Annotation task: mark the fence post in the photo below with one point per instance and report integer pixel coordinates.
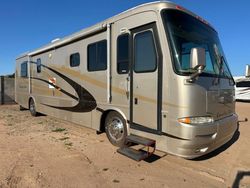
(2, 89)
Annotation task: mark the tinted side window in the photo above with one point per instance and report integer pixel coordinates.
(38, 66)
(24, 69)
(122, 54)
(75, 60)
(97, 56)
(243, 84)
(145, 52)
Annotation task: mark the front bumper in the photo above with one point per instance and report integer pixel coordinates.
(203, 139)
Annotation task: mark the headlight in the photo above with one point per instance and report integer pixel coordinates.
(196, 120)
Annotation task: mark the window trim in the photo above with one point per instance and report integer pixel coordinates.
(71, 55)
(104, 40)
(129, 45)
(155, 49)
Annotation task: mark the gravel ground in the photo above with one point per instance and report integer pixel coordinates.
(47, 152)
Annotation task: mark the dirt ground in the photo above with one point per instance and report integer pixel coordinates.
(47, 152)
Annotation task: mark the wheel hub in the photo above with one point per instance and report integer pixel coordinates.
(116, 129)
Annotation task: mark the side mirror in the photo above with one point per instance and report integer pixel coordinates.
(247, 71)
(198, 58)
(197, 62)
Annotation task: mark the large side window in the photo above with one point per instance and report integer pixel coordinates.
(97, 56)
(144, 52)
(75, 60)
(38, 65)
(24, 69)
(123, 54)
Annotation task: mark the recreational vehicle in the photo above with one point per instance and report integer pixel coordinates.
(154, 75)
(242, 86)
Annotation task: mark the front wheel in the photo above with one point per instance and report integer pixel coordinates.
(32, 108)
(116, 129)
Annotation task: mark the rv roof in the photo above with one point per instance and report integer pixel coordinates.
(241, 78)
(102, 25)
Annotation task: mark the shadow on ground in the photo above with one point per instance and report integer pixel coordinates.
(242, 101)
(154, 158)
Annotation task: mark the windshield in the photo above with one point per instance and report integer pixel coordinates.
(186, 32)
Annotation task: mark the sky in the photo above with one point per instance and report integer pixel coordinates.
(28, 24)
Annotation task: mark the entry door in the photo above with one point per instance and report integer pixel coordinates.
(145, 97)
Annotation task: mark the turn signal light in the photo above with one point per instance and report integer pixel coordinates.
(185, 120)
(196, 120)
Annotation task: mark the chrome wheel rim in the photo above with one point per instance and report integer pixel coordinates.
(116, 129)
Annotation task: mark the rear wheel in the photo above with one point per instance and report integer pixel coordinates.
(32, 108)
(116, 129)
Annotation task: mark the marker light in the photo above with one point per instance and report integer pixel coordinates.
(196, 120)
(179, 7)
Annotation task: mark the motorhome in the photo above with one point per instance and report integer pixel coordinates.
(242, 86)
(154, 75)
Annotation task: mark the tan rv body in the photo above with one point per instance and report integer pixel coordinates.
(150, 102)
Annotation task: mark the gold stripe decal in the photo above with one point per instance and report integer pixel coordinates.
(86, 102)
(95, 82)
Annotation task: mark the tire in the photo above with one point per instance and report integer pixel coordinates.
(116, 129)
(32, 108)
